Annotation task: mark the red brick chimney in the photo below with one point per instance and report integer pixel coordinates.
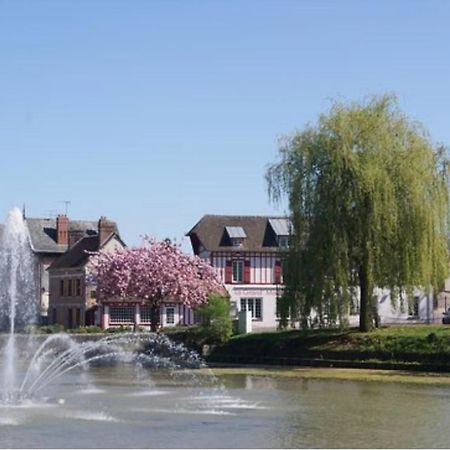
(105, 229)
(62, 230)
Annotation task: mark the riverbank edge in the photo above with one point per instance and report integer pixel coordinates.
(341, 374)
(327, 363)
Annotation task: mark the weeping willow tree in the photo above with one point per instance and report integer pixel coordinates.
(368, 198)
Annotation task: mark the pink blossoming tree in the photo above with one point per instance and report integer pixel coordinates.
(154, 273)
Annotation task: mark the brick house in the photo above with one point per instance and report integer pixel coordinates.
(246, 252)
(72, 300)
(50, 239)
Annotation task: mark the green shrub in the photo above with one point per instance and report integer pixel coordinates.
(216, 326)
(50, 329)
(120, 329)
(86, 330)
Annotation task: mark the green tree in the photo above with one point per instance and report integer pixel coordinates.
(368, 197)
(217, 326)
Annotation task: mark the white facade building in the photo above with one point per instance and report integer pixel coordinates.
(246, 252)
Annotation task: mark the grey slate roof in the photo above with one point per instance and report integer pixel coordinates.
(43, 233)
(210, 232)
(281, 227)
(236, 232)
(77, 255)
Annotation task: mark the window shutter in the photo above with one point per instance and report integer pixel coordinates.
(247, 272)
(277, 271)
(228, 271)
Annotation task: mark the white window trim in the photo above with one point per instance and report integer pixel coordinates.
(171, 324)
(254, 319)
(241, 271)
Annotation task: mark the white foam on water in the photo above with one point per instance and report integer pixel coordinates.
(92, 390)
(95, 416)
(225, 401)
(27, 404)
(7, 421)
(215, 412)
(148, 393)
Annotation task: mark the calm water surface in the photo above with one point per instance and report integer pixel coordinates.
(119, 408)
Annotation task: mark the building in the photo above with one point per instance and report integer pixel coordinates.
(246, 252)
(49, 240)
(72, 301)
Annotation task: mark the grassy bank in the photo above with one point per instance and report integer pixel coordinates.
(415, 346)
(335, 374)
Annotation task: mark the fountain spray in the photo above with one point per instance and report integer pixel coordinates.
(17, 289)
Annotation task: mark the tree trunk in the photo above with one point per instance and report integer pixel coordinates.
(366, 291)
(154, 318)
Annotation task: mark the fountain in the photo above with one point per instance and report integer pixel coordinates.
(94, 390)
(59, 354)
(17, 291)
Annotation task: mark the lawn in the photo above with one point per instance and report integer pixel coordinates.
(414, 343)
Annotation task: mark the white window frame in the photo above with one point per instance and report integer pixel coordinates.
(122, 314)
(250, 304)
(239, 272)
(145, 312)
(166, 316)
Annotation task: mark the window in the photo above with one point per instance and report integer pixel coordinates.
(236, 242)
(121, 314)
(238, 271)
(69, 318)
(283, 241)
(61, 288)
(414, 307)
(197, 317)
(78, 287)
(170, 316)
(146, 314)
(254, 305)
(354, 306)
(69, 288)
(78, 317)
(93, 293)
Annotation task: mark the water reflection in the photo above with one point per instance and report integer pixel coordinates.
(122, 408)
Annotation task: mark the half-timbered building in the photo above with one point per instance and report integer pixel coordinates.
(246, 252)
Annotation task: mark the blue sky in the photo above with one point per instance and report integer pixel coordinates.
(154, 113)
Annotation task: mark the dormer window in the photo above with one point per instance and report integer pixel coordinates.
(236, 235)
(282, 229)
(283, 241)
(236, 242)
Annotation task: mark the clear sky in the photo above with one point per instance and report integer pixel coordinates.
(154, 113)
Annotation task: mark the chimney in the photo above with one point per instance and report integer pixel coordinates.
(105, 229)
(62, 230)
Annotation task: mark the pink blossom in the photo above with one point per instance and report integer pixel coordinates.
(154, 272)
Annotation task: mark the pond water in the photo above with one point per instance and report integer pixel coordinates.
(119, 407)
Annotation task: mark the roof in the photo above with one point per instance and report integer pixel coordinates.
(236, 232)
(77, 255)
(210, 232)
(43, 233)
(281, 227)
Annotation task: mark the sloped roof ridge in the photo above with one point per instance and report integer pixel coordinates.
(74, 255)
(256, 216)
